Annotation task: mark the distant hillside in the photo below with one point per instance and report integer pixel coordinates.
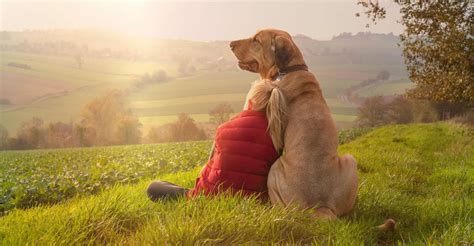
(346, 48)
(57, 72)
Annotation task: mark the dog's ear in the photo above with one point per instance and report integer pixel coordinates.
(283, 48)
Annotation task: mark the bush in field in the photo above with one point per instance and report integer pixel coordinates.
(400, 111)
(159, 134)
(5, 101)
(155, 77)
(108, 120)
(424, 111)
(59, 135)
(31, 134)
(128, 130)
(19, 65)
(3, 137)
(377, 111)
(467, 118)
(221, 113)
(372, 112)
(184, 129)
(348, 135)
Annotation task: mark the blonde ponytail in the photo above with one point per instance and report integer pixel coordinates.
(265, 95)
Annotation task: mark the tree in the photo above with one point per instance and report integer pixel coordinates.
(400, 111)
(423, 111)
(221, 113)
(184, 66)
(157, 77)
(128, 130)
(103, 118)
(160, 76)
(79, 60)
(3, 137)
(383, 75)
(160, 134)
(438, 48)
(58, 135)
(153, 135)
(80, 136)
(186, 129)
(183, 129)
(31, 134)
(372, 112)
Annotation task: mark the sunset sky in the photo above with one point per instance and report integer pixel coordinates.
(196, 20)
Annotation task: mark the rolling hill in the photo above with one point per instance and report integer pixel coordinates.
(54, 87)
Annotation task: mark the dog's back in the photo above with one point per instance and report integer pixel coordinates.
(309, 173)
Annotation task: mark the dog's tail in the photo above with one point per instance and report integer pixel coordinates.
(389, 225)
(266, 95)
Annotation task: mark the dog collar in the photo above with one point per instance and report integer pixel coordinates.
(291, 69)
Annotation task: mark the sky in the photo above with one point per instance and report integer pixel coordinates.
(196, 19)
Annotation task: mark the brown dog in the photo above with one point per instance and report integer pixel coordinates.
(310, 173)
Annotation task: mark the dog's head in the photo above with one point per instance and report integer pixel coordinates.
(267, 52)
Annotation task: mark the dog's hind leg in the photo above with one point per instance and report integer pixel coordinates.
(346, 189)
(324, 213)
(273, 185)
(278, 189)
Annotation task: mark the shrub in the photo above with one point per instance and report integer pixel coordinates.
(221, 113)
(19, 65)
(184, 129)
(348, 135)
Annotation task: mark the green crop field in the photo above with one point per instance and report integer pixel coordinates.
(29, 178)
(420, 175)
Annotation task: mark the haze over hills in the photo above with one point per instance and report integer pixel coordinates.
(53, 74)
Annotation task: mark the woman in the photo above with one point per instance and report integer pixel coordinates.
(243, 151)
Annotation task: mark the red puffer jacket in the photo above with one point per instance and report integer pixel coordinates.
(242, 158)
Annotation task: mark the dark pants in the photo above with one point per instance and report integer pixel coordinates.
(159, 190)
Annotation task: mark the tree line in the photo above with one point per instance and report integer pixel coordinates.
(106, 121)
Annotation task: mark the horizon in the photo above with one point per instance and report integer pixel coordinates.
(320, 20)
(180, 39)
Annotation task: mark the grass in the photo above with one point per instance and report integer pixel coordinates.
(95, 78)
(196, 95)
(420, 175)
(155, 103)
(385, 89)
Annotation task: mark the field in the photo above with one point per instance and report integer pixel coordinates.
(55, 88)
(36, 177)
(60, 89)
(385, 89)
(420, 175)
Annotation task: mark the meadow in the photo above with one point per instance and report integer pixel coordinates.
(394, 87)
(61, 88)
(421, 175)
(56, 89)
